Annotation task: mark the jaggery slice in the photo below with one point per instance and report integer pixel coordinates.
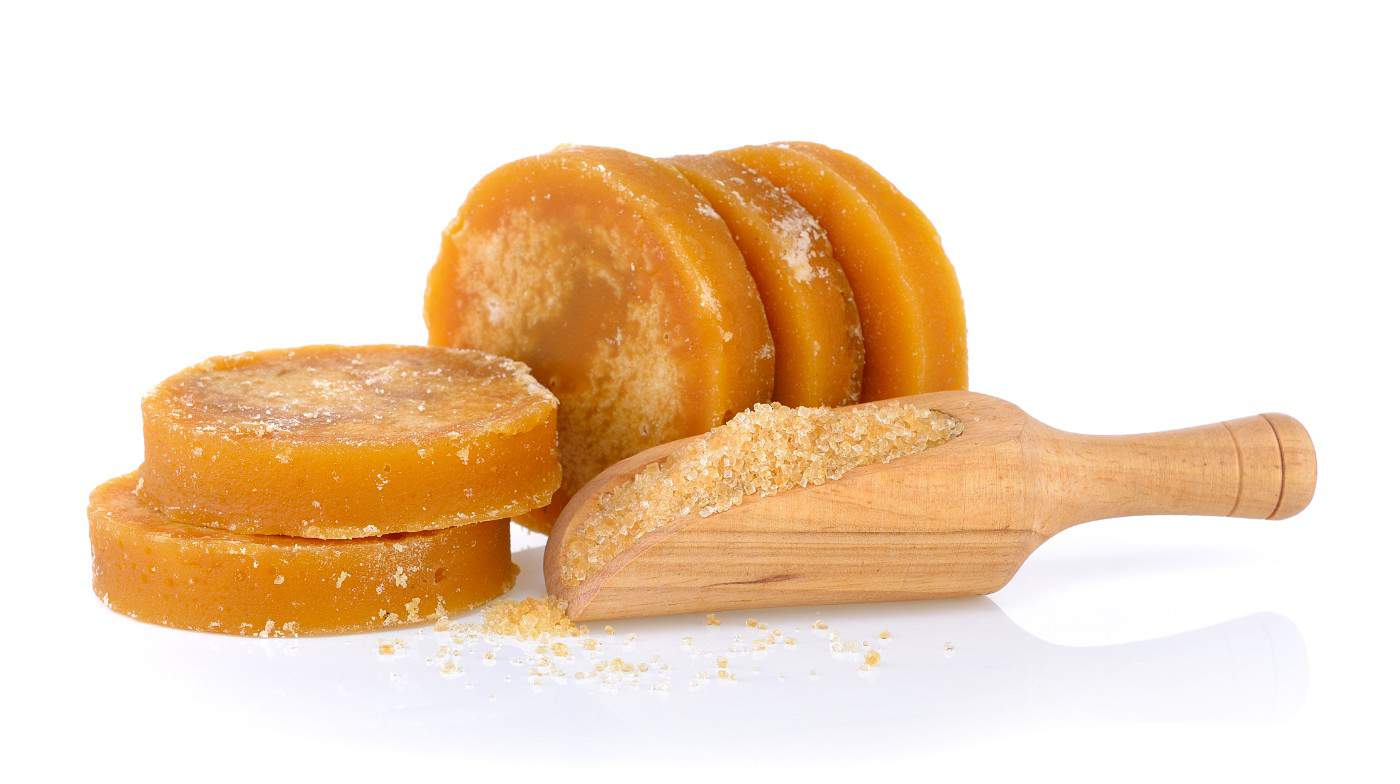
(614, 279)
(919, 243)
(910, 305)
(160, 571)
(335, 442)
(819, 354)
(764, 451)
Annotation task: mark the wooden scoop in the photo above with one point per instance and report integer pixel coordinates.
(955, 520)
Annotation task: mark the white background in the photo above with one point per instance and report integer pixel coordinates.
(1160, 217)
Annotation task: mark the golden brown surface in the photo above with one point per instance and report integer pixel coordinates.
(193, 577)
(337, 442)
(817, 342)
(910, 305)
(619, 285)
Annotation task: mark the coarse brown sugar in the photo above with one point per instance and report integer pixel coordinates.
(765, 450)
(529, 619)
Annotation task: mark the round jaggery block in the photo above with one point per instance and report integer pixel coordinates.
(911, 309)
(160, 571)
(614, 279)
(818, 351)
(336, 442)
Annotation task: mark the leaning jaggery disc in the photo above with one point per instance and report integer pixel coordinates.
(817, 342)
(334, 442)
(156, 570)
(910, 305)
(614, 279)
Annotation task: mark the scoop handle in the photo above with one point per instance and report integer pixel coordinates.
(1262, 466)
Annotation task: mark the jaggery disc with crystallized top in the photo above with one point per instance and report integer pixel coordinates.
(911, 309)
(817, 342)
(336, 442)
(160, 571)
(614, 279)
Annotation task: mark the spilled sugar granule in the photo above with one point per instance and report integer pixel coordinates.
(765, 450)
(523, 635)
(528, 619)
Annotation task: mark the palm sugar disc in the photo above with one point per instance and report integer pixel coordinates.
(819, 353)
(156, 570)
(341, 442)
(614, 279)
(911, 309)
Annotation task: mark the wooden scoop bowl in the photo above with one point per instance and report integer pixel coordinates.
(956, 520)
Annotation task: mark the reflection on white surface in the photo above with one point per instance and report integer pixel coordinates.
(951, 669)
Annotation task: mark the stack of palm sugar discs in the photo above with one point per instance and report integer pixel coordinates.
(325, 489)
(657, 298)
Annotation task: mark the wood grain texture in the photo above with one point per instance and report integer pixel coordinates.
(956, 520)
